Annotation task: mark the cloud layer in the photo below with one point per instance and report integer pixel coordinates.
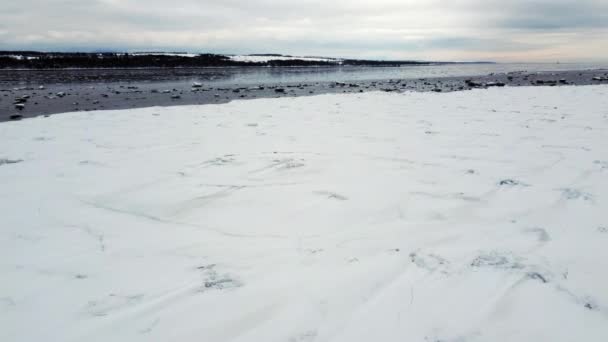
(515, 30)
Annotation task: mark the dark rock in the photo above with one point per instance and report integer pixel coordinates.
(474, 84)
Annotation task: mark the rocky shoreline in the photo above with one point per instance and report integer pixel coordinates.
(40, 99)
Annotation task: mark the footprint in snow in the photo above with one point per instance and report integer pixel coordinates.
(281, 165)
(111, 303)
(497, 260)
(332, 195)
(289, 164)
(603, 165)
(213, 280)
(9, 161)
(430, 262)
(314, 251)
(507, 261)
(42, 139)
(219, 161)
(574, 194)
(543, 235)
(511, 182)
(221, 284)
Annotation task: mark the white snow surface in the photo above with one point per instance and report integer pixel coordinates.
(263, 59)
(173, 54)
(20, 57)
(367, 217)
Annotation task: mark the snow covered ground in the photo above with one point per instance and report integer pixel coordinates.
(466, 216)
(173, 54)
(263, 59)
(20, 57)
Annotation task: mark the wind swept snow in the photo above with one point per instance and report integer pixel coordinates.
(466, 216)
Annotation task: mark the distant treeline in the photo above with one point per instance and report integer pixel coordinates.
(109, 60)
(62, 60)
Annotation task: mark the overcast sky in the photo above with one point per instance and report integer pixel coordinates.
(505, 30)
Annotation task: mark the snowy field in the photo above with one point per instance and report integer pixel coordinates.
(264, 59)
(467, 216)
(173, 54)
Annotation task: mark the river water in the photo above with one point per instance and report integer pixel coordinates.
(268, 75)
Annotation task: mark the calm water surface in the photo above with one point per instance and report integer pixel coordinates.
(265, 75)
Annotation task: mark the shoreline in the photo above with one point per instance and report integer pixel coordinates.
(31, 101)
(234, 67)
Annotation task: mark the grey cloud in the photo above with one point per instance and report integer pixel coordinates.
(391, 28)
(543, 15)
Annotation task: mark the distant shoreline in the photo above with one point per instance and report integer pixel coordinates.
(231, 67)
(238, 67)
(24, 60)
